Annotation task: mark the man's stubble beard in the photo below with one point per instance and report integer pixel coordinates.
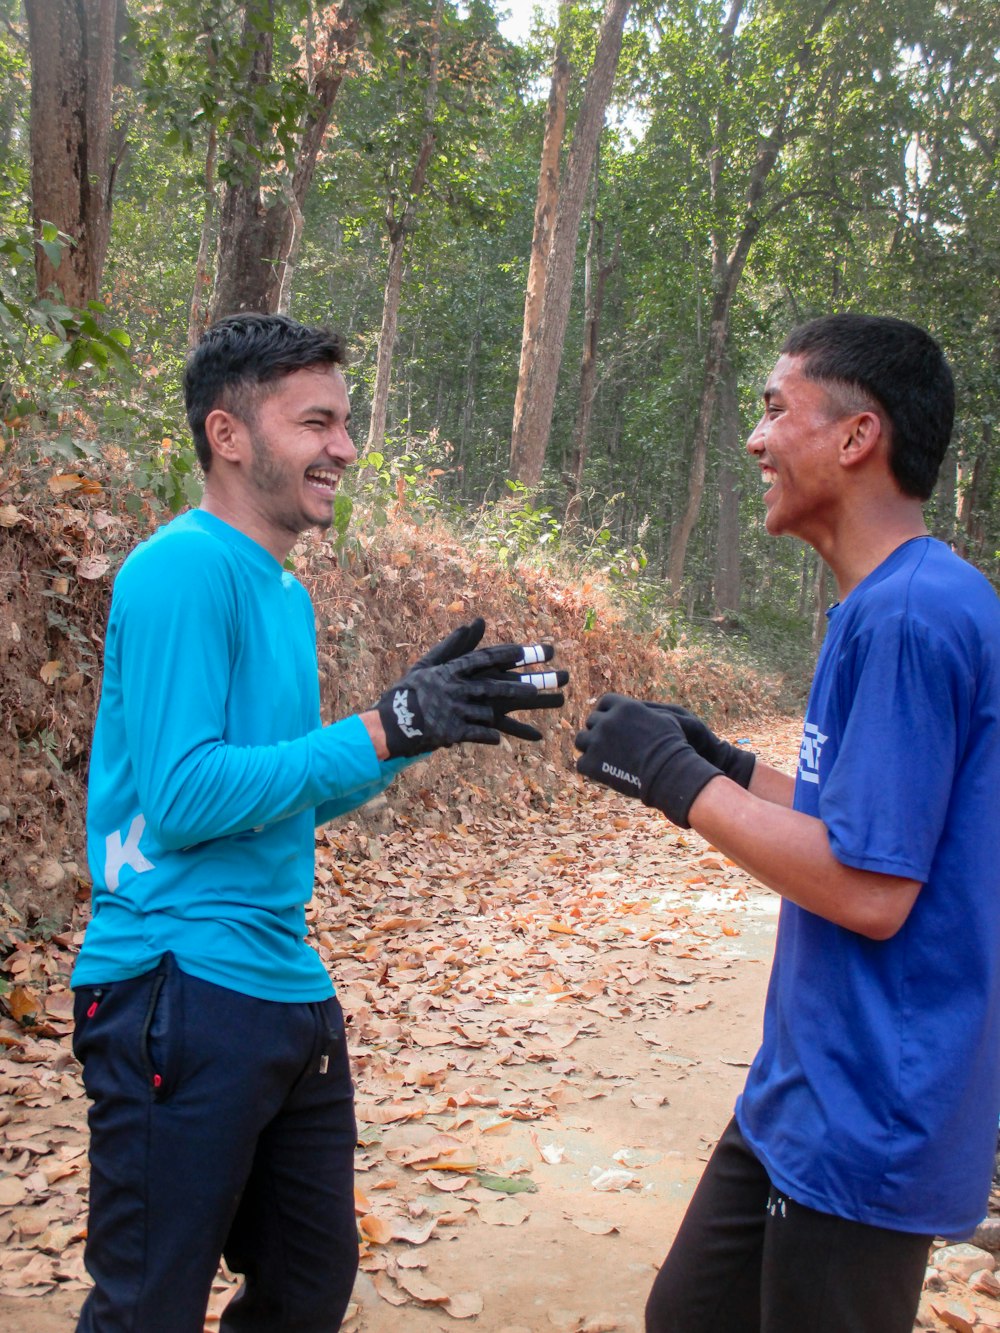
(268, 478)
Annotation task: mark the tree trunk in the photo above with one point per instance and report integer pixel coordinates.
(727, 273)
(398, 232)
(72, 50)
(596, 279)
(972, 533)
(386, 342)
(546, 204)
(727, 546)
(201, 292)
(530, 434)
(946, 498)
(259, 242)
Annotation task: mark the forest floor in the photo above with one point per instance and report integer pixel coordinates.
(551, 1013)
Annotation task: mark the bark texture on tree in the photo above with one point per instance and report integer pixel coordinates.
(258, 241)
(727, 584)
(399, 226)
(530, 434)
(72, 52)
(595, 281)
(546, 204)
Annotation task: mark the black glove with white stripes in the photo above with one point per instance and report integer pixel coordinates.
(466, 698)
(641, 751)
(729, 759)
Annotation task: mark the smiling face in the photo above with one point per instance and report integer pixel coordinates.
(296, 448)
(798, 446)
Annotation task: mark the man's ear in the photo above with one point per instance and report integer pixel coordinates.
(226, 434)
(867, 434)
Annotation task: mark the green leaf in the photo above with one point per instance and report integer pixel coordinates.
(506, 1184)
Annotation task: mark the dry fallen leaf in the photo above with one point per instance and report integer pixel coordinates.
(12, 1191)
(92, 566)
(23, 1003)
(464, 1305)
(420, 1287)
(376, 1230)
(594, 1226)
(65, 483)
(412, 1232)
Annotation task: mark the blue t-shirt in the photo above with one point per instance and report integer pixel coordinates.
(875, 1093)
(210, 769)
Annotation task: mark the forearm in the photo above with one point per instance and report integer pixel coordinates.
(789, 852)
(215, 790)
(390, 770)
(376, 732)
(770, 784)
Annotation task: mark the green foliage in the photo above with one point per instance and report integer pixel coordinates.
(884, 198)
(518, 526)
(56, 357)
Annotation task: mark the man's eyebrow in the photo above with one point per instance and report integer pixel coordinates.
(330, 413)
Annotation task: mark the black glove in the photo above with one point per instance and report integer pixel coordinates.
(465, 699)
(729, 759)
(642, 751)
(461, 641)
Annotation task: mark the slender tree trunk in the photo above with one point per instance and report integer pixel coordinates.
(260, 231)
(202, 289)
(72, 51)
(546, 204)
(595, 282)
(398, 232)
(946, 498)
(386, 341)
(972, 532)
(727, 545)
(727, 274)
(530, 435)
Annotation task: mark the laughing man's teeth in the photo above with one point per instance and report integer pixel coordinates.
(325, 476)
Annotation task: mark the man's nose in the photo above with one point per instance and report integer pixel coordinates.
(342, 447)
(755, 442)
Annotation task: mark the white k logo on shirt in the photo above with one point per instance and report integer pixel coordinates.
(119, 854)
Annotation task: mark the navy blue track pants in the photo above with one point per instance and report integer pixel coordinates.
(747, 1259)
(220, 1125)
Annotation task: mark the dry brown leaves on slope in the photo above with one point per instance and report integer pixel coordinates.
(475, 965)
(469, 963)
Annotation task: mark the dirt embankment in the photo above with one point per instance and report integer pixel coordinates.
(62, 540)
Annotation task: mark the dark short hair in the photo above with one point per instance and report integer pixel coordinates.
(239, 355)
(902, 369)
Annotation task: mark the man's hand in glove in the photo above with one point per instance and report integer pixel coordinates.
(642, 751)
(459, 642)
(467, 637)
(467, 698)
(729, 759)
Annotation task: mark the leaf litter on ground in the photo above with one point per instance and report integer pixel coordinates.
(473, 964)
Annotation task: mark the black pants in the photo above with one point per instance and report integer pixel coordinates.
(220, 1125)
(749, 1260)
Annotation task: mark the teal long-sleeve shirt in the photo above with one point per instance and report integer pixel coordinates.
(210, 769)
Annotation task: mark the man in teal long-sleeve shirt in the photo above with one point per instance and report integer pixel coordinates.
(212, 1043)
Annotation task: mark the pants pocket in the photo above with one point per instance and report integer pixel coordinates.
(161, 1036)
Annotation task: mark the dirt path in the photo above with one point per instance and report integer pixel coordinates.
(534, 1001)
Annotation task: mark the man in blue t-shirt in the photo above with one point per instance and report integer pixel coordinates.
(212, 1045)
(868, 1121)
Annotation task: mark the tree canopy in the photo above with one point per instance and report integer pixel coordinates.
(375, 166)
